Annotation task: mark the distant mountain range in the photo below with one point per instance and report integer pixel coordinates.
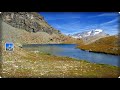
(90, 36)
(89, 33)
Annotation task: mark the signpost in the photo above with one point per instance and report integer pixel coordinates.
(9, 46)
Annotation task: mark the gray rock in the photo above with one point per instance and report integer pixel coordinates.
(29, 21)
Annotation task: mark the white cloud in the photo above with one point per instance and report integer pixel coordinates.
(70, 26)
(105, 14)
(110, 22)
(51, 18)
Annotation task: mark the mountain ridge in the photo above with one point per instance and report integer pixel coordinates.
(88, 33)
(90, 36)
(29, 21)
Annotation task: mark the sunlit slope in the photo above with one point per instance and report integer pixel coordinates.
(11, 34)
(22, 63)
(106, 45)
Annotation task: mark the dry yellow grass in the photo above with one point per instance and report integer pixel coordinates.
(106, 45)
(24, 64)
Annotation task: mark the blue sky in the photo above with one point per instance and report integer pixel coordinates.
(74, 22)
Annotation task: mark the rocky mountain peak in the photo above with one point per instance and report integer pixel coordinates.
(29, 21)
(89, 33)
(91, 36)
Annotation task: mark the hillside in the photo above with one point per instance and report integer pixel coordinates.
(105, 45)
(29, 28)
(12, 34)
(29, 21)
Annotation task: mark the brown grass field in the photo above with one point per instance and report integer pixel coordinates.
(107, 45)
(25, 64)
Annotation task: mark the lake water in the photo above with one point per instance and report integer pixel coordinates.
(70, 50)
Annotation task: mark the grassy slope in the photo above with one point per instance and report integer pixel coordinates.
(12, 34)
(21, 63)
(105, 45)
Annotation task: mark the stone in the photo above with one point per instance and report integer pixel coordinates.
(29, 21)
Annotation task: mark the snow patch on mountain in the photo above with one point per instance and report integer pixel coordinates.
(97, 31)
(88, 33)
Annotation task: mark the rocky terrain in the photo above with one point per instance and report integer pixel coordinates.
(29, 21)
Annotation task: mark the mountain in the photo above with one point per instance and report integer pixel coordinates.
(29, 21)
(88, 33)
(90, 36)
(29, 28)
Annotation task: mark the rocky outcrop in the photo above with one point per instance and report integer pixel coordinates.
(29, 21)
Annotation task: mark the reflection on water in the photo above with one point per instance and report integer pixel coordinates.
(70, 51)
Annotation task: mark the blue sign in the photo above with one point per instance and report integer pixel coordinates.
(9, 46)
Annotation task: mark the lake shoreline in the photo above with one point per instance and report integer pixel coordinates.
(75, 47)
(99, 52)
(71, 50)
(24, 63)
(76, 59)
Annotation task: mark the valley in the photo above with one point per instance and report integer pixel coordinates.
(31, 28)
